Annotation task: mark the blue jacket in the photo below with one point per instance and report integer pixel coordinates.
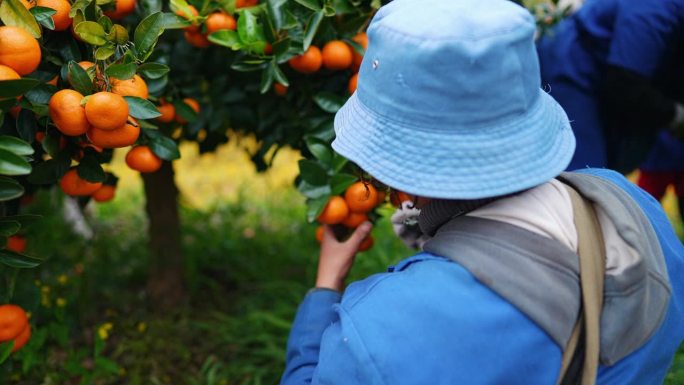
(429, 321)
(634, 35)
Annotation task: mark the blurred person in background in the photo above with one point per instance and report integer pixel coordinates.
(617, 68)
(449, 109)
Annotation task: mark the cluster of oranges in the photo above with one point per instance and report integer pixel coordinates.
(14, 326)
(352, 209)
(336, 55)
(196, 35)
(168, 111)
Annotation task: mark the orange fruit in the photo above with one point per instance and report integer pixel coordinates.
(337, 55)
(61, 18)
(40, 135)
(53, 81)
(361, 197)
(16, 243)
(309, 62)
(141, 158)
(7, 73)
(319, 234)
(22, 338)
(196, 39)
(398, 197)
(134, 86)
(106, 110)
(19, 50)
(194, 13)
(279, 89)
(352, 83)
(67, 114)
(268, 49)
(362, 40)
(167, 111)
(104, 194)
(382, 195)
(123, 9)
(334, 212)
(353, 220)
(218, 21)
(367, 243)
(245, 3)
(193, 104)
(74, 185)
(13, 321)
(123, 136)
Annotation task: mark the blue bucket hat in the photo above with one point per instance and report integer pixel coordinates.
(449, 102)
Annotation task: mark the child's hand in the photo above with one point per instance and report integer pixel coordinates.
(337, 257)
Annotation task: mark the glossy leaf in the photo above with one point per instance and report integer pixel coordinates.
(6, 350)
(90, 169)
(118, 34)
(121, 71)
(185, 111)
(15, 145)
(312, 28)
(320, 149)
(13, 12)
(171, 21)
(8, 227)
(79, 79)
(340, 182)
(313, 5)
(91, 32)
(147, 33)
(312, 172)
(165, 147)
(329, 102)
(43, 16)
(27, 126)
(10, 189)
(141, 108)
(16, 260)
(314, 207)
(11, 164)
(105, 52)
(226, 38)
(153, 70)
(16, 87)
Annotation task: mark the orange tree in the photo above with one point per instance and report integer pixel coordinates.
(79, 79)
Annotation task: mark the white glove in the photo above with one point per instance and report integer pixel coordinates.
(405, 225)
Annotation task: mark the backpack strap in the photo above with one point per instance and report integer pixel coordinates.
(581, 355)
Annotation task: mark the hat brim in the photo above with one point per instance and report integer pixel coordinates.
(461, 163)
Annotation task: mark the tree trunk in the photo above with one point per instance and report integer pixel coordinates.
(166, 282)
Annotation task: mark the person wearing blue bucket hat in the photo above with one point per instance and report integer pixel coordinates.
(449, 108)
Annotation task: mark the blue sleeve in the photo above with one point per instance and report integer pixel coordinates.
(644, 33)
(315, 314)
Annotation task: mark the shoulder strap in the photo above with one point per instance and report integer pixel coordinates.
(581, 356)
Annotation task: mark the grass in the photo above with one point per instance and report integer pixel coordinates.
(250, 259)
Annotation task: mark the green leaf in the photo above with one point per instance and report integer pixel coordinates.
(249, 29)
(27, 126)
(313, 192)
(9, 228)
(314, 207)
(274, 8)
(173, 21)
(79, 5)
(165, 147)
(10, 189)
(329, 102)
(11, 164)
(43, 16)
(226, 38)
(266, 79)
(15, 145)
(313, 5)
(313, 172)
(16, 87)
(91, 32)
(16, 260)
(141, 108)
(90, 169)
(121, 71)
(6, 350)
(105, 52)
(13, 12)
(279, 75)
(338, 162)
(79, 79)
(320, 149)
(24, 219)
(50, 171)
(185, 111)
(147, 33)
(340, 182)
(153, 70)
(118, 34)
(312, 28)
